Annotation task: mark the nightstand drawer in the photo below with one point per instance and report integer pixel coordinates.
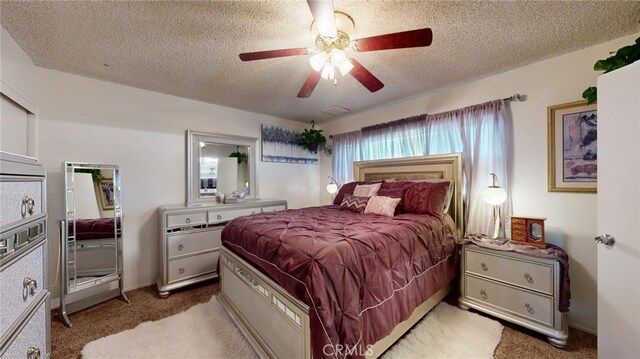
(194, 242)
(530, 305)
(529, 275)
(273, 208)
(189, 219)
(225, 216)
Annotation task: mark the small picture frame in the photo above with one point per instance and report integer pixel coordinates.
(572, 147)
(105, 189)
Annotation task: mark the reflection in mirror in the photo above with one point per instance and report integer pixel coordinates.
(535, 231)
(220, 165)
(92, 229)
(223, 168)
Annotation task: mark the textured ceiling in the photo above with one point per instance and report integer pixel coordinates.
(190, 49)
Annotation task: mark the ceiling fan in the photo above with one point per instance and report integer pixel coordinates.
(332, 30)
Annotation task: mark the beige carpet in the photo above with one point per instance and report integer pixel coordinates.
(115, 316)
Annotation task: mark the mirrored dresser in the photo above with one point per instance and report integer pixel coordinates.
(190, 239)
(25, 321)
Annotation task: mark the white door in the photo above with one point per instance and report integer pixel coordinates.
(619, 213)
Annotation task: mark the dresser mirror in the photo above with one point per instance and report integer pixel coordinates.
(91, 234)
(219, 165)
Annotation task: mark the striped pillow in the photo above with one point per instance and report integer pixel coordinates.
(384, 206)
(354, 203)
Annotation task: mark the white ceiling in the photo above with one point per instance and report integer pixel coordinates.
(190, 49)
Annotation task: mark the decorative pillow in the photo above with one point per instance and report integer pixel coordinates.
(384, 206)
(346, 188)
(393, 193)
(366, 190)
(387, 184)
(426, 197)
(354, 203)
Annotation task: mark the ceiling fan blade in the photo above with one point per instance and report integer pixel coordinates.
(261, 55)
(309, 84)
(322, 11)
(365, 77)
(397, 40)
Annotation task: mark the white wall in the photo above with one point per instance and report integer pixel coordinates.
(571, 218)
(86, 120)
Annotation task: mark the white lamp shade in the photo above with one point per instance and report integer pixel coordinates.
(332, 188)
(318, 60)
(345, 66)
(494, 195)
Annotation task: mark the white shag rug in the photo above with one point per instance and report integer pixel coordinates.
(206, 331)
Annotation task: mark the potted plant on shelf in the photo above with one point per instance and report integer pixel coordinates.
(312, 139)
(623, 57)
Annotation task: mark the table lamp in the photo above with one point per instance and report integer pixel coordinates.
(495, 196)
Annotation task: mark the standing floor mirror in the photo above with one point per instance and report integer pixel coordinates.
(91, 237)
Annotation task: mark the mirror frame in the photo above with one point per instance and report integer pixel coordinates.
(193, 162)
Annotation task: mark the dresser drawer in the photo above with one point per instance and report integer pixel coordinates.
(187, 219)
(192, 266)
(32, 337)
(274, 208)
(226, 216)
(181, 244)
(529, 275)
(20, 200)
(16, 283)
(527, 304)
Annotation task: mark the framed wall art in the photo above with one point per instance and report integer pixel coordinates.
(572, 146)
(105, 188)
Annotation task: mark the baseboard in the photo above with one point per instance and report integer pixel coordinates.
(584, 329)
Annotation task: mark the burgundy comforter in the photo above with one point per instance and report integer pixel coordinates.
(360, 274)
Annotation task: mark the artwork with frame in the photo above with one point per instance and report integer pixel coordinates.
(105, 190)
(572, 147)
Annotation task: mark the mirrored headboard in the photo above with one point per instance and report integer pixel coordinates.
(219, 163)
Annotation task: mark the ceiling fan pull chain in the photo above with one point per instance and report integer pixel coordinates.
(313, 123)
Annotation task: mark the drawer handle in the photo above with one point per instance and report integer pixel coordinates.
(28, 205)
(219, 217)
(188, 220)
(180, 247)
(529, 308)
(33, 353)
(29, 288)
(253, 212)
(528, 278)
(181, 270)
(483, 293)
(484, 266)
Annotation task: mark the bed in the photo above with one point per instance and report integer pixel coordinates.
(321, 282)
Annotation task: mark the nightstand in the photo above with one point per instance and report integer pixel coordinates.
(516, 287)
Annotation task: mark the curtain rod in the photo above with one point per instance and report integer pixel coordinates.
(515, 97)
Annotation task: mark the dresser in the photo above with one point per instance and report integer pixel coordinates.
(190, 239)
(516, 287)
(25, 321)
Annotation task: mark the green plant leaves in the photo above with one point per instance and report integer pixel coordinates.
(590, 94)
(312, 139)
(623, 57)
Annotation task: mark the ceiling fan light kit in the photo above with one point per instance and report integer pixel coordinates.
(332, 31)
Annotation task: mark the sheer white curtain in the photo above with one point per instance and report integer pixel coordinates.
(402, 138)
(479, 132)
(347, 148)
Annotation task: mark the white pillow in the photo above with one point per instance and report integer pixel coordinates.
(366, 190)
(384, 206)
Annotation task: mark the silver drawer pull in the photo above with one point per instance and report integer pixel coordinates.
(181, 270)
(528, 278)
(33, 353)
(29, 288)
(484, 266)
(180, 247)
(28, 205)
(188, 220)
(529, 308)
(219, 217)
(253, 212)
(483, 293)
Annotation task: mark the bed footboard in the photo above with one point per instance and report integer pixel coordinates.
(275, 324)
